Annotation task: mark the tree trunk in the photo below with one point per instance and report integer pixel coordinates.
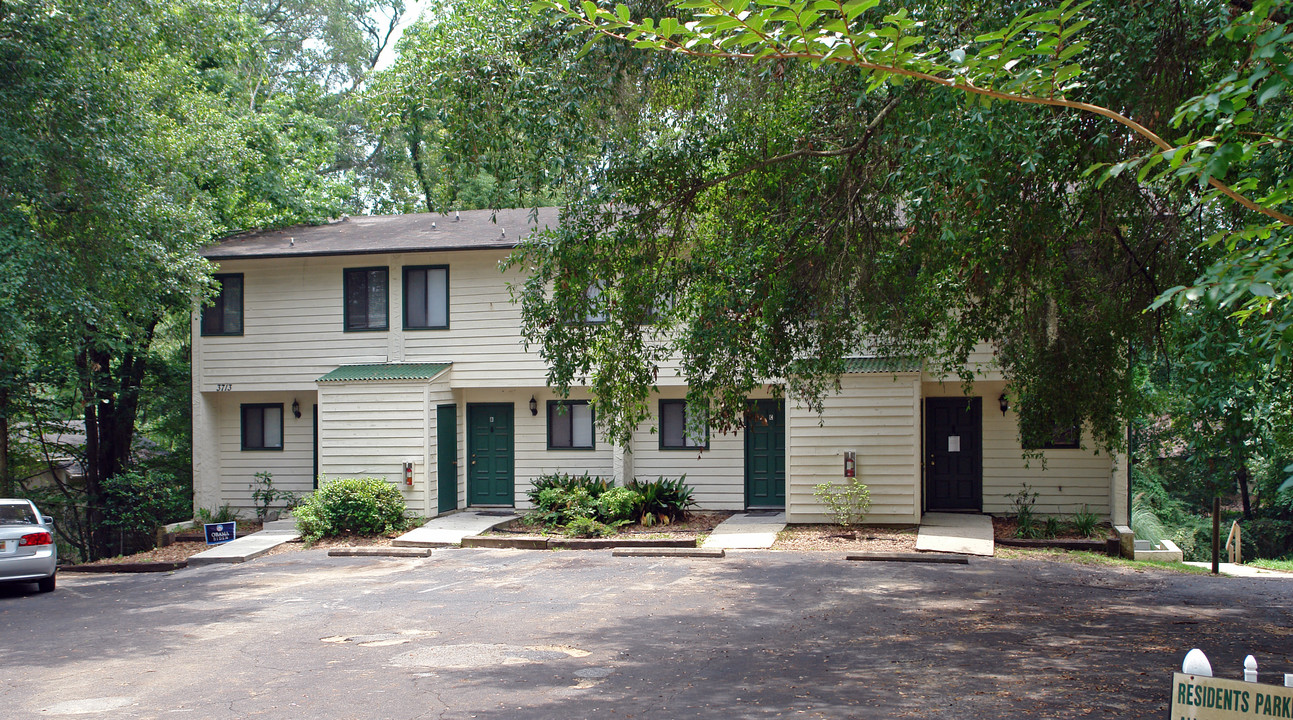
(6, 482)
(1242, 477)
(112, 404)
(414, 138)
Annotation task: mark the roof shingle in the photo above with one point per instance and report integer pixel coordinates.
(365, 234)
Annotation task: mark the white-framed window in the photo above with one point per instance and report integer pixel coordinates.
(426, 297)
(677, 429)
(570, 425)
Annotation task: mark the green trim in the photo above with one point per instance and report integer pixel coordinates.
(882, 365)
(385, 371)
(218, 305)
(345, 298)
(684, 446)
(242, 426)
(404, 294)
(569, 418)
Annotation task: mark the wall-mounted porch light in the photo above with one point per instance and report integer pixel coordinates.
(296, 409)
(1004, 403)
(534, 406)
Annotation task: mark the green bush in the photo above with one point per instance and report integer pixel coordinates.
(364, 506)
(555, 506)
(618, 505)
(663, 501)
(593, 485)
(849, 502)
(138, 502)
(1085, 522)
(587, 527)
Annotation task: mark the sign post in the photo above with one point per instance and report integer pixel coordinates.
(218, 533)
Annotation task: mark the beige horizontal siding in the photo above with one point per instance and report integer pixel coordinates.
(716, 475)
(531, 453)
(1064, 480)
(369, 429)
(876, 417)
(293, 325)
(292, 467)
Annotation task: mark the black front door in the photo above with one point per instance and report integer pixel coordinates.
(489, 450)
(954, 453)
(765, 454)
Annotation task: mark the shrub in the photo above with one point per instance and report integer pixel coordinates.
(223, 515)
(618, 505)
(365, 506)
(587, 527)
(1051, 527)
(593, 485)
(1025, 521)
(264, 495)
(848, 502)
(560, 505)
(663, 501)
(1085, 522)
(138, 502)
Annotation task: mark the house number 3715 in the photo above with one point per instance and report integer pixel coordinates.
(224, 387)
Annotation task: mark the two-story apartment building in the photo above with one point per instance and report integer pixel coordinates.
(390, 346)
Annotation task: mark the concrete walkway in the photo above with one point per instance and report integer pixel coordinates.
(249, 546)
(956, 533)
(448, 530)
(746, 531)
(1247, 571)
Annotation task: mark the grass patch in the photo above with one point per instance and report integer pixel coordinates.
(1265, 563)
(1082, 557)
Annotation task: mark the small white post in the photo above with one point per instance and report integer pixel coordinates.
(1250, 669)
(1196, 663)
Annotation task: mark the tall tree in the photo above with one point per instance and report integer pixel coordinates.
(129, 139)
(801, 212)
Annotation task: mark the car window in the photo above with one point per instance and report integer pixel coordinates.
(17, 515)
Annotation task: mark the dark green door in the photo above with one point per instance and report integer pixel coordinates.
(954, 453)
(765, 454)
(446, 423)
(489, 451)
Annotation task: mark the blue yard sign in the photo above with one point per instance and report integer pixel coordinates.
(220, 532)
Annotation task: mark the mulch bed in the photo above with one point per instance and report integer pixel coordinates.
(1004, 530)
(861, 539)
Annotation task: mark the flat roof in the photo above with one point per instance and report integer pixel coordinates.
(367, 234)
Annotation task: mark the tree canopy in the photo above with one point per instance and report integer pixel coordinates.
(827, 179)
(132, 133)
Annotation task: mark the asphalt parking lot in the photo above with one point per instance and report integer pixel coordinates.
(582, 634)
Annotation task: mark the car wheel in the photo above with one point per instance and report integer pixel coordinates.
(46, 584)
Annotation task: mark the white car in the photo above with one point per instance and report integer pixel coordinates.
(27, 549)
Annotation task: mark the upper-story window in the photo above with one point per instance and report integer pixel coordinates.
(570, 424)
(366, 299)
(426, 297)
(224, 316)
(678, 431)
(595, 315)
(262, 426)
(1061, 437)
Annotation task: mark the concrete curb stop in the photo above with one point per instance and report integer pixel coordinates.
(669, 552)
(911, 558)
(398, 552)
(152, 567)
